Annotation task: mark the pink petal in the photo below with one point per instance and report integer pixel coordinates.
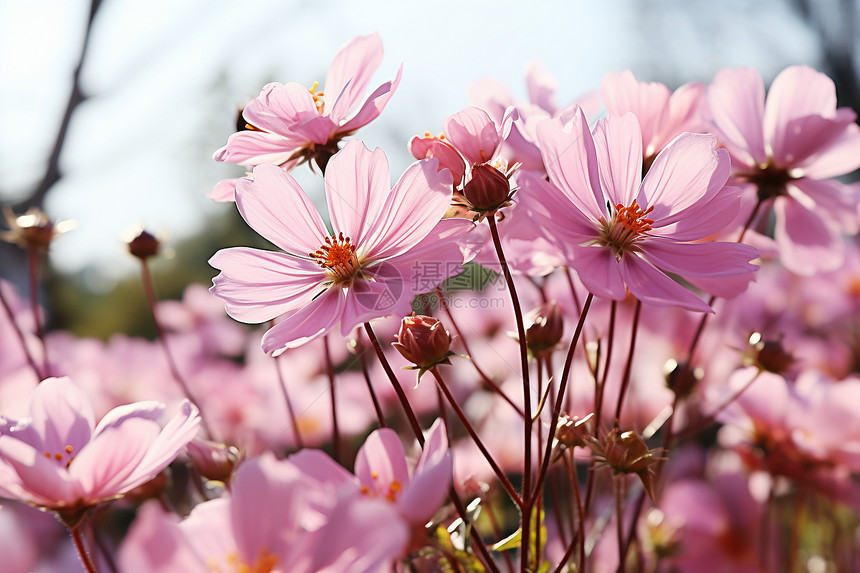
(688, 170)
(317, 465)
(267, 505)
(413, 208)
(224, 190)
(366, 536)
(618, 141)
(797, 92)
(373, 106)
(834, 200)
(653, 287)
(103, 466)
(306, 324)
(703, 218)
(571, 162)
(449, 158)
(700, 259)
(179, 430)
(319, 129)
(541, 86)
(260, 285)
(61, 414)
(431, 479)
(357, 184)
(208, 531)
(156, 544)
(806, 243)
(736, 100)
(350, 72)
(381, 462)
(599, 272)
(805, 139)
(841, 155)
(277, 208)
(148, 410)
(384, 292)
(258, 148)
(648, 100)
(560, 221)
(684, 114)
(474, 134)
(279, 107)
(41, 481)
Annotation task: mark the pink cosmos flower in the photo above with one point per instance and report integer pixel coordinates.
(785, 151)
(380, 253)
(58, 459)
(381, 472)
(288, 124)
(618, 230)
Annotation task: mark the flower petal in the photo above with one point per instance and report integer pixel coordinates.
(806, 243)
(279, 107)
(381, 462)
(736, 100)
(260, 285)
(431, 479)
(571, 162)
(350, 72)
(373, 106)
(623, 93)
(62, 415)
(700, 259)
(618, 141)
(179, 430)
(797, 92)
(40, 481)
(306, 324)
(275, 206)
(474, 134)
(598, 270)
(687, 171)
(651, 286)
(357, 185)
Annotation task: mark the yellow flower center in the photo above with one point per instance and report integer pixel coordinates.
(319, 102)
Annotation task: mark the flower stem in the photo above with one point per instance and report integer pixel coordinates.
(20, 336)
(625, 380)
(84, 555)
(33, 268)
(474, 435)
(401, 395)
(377, 408)
(151, 300)
(527, 402)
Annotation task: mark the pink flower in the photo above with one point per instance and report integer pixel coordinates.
(288, 124)
(618, 230)
(385, 247)
(381, 472)
(57, 460)
(785, 151)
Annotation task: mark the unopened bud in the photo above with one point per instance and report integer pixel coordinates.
(626, 452)
(144, 245)
(32, 230)
(769, 355)
(680, 378)
(214, 461)
(573, 431)
(547, 327)
(423, 341)
(487, 189)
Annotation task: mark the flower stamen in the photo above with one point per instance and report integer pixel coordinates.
(625, 228)
(337, 256)
(319, 102)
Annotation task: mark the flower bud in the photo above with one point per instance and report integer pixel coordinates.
(487, 189)
(144, 245)
(627, 452)
(547, 327)
(680, 378)
(33, 229)
(214, 461)
(573, 431)
(423, 341)
(769, 355)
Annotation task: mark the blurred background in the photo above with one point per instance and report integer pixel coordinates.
(111, 109)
